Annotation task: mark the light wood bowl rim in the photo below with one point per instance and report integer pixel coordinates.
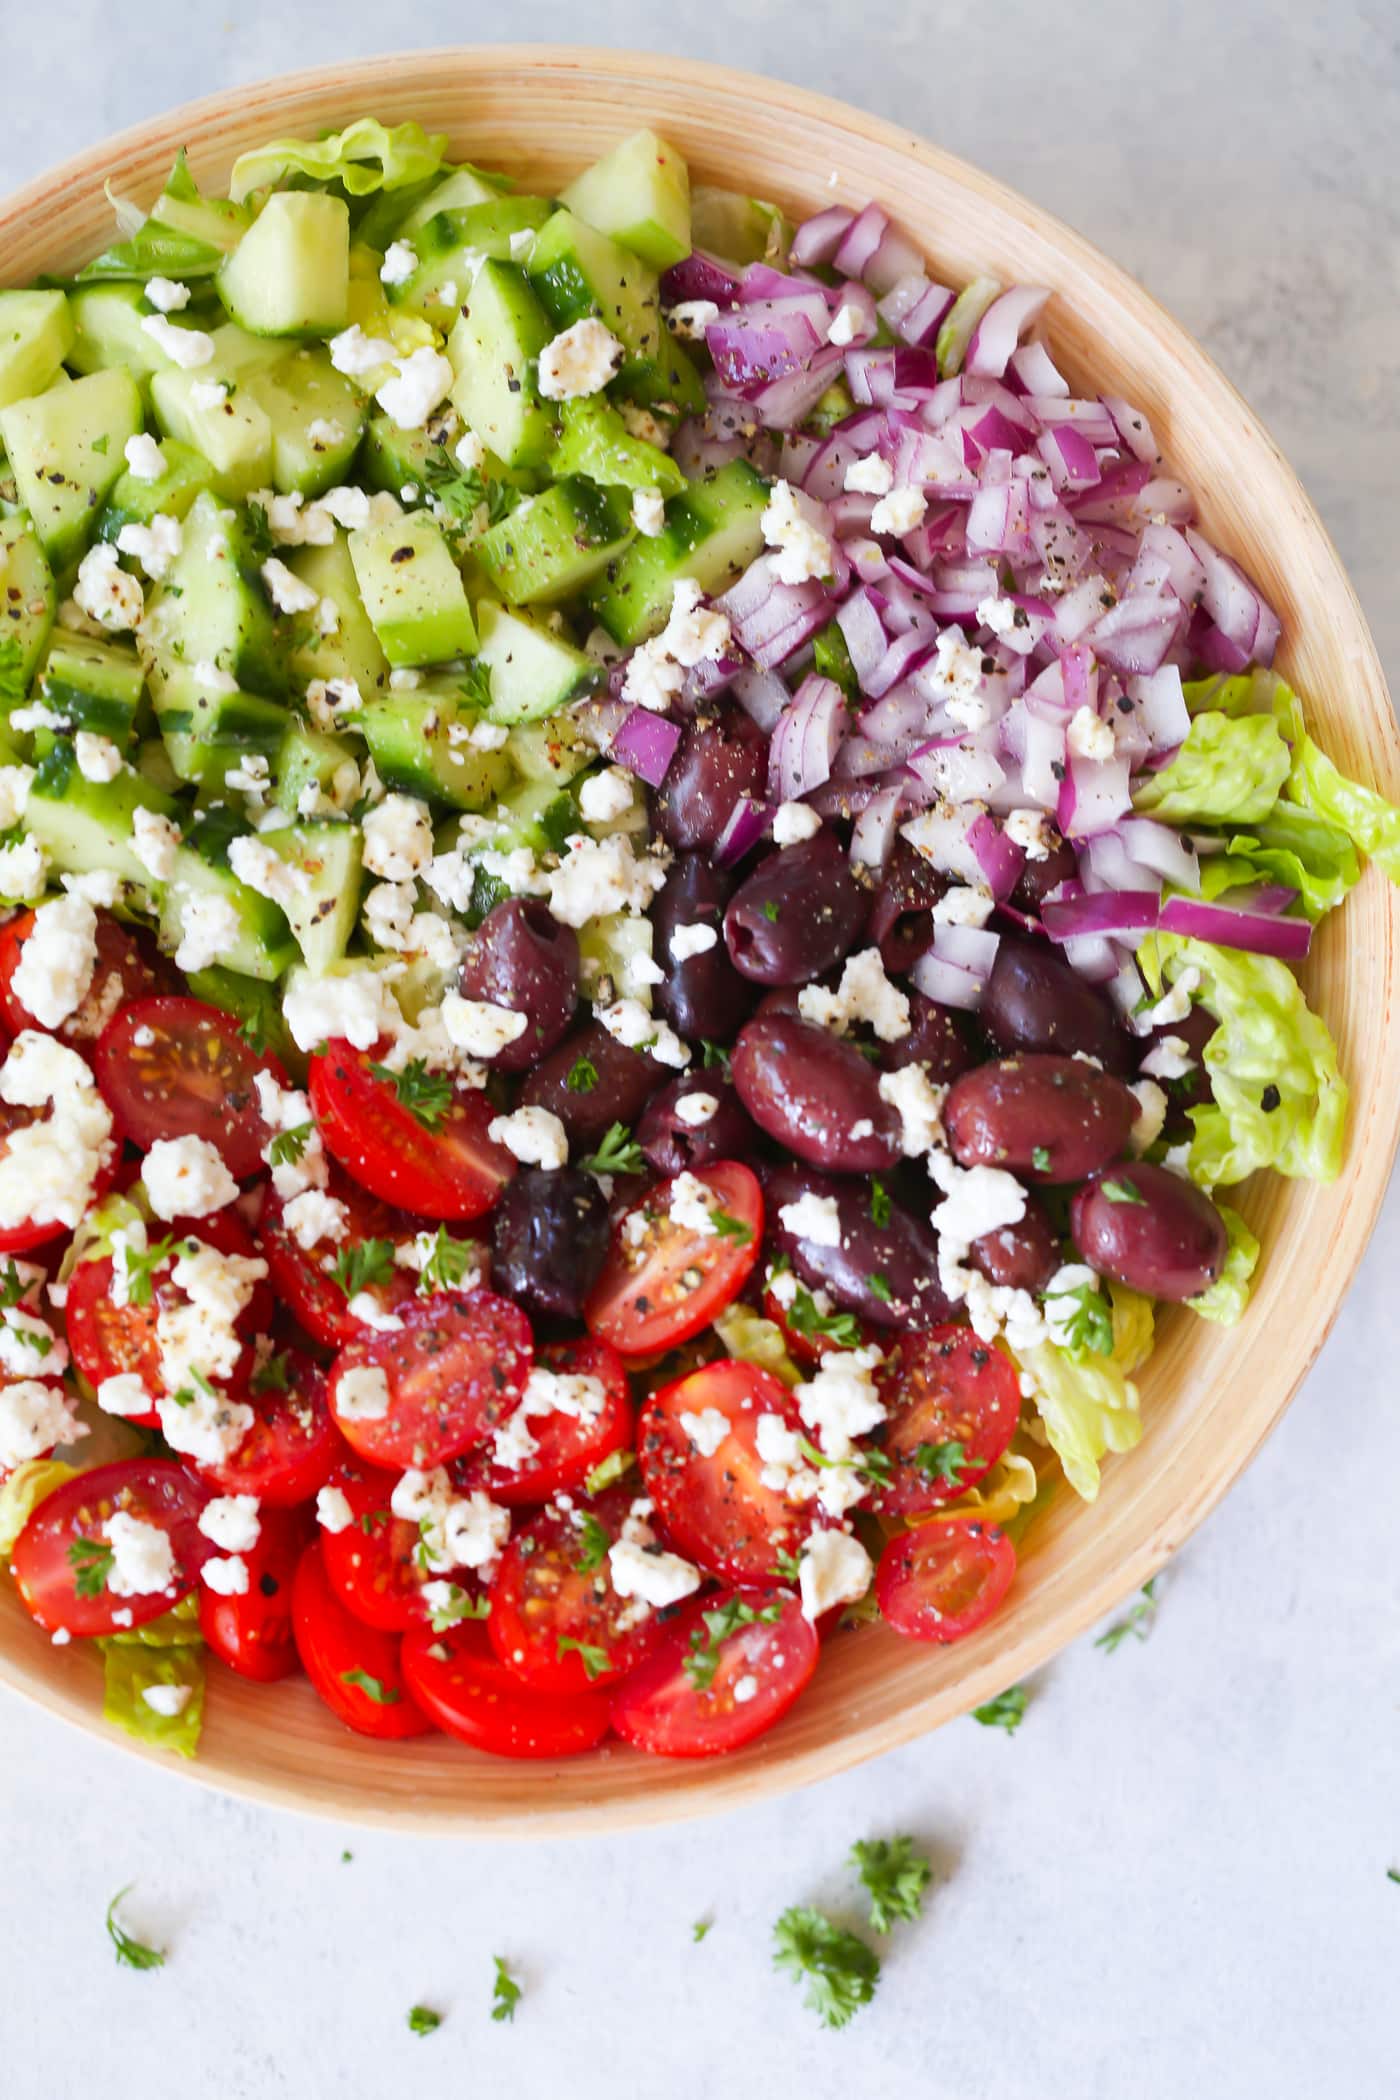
(436, 1785)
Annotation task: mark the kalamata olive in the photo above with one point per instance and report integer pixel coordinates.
(673, 1142)
(815, 1094)
(1038, 877)
(899, 922)
(521, 957)
(1020, 1257)
(887, 1273)
(1046, 1118)
(701, 995)
(1035, 1001)
(551, 1240)
(721, 755)
(797, 914)
(937, 1039)
(1149, 1228)
(591, 1081)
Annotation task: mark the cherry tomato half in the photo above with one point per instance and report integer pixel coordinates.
(454, 1370)
(715, 1506)
(456, 1677)
(758, 1671)
(127, 967)
(434, 1159)
(664, 1279)
(952, 1404)
(58, 1558)
(373, 1565)
(310, 1292)
(944, 1579)
(567, 1447)
(293, 1446)
(178, 1068)
(355, 1668)
(252, 1632)
(556, 1619)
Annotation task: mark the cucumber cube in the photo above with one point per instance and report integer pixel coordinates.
(553, 545)
(36, 334)
(640, 194)
(66, 450)
(494, 350)
(27, 595)
(412, 591)
(533, 672)
(290, 273)
(421, 745)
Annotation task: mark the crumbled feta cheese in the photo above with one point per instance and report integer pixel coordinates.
(398, 838)
(400, 262)
(479, 1027)
(144, 457)
(648, 512)
(185, 1177)
(366, 1308)
(333, 1511)
(485, 736)
(362, 1394)
(124, 1394)
(693, 634)
(815, 1219)
(864, 994)
(356, 1005)
(846, 324)
(687, 941)
(265, 871)
(1151, 1115)
(646, 1572)
(98, 757)
(599, 876)
(48, 1167)
(956, 676)
(186, 347)
(209, 928)
(286, 590)
(1032, 831)
(167, 295)
(692, 1206)
(976, 1200)
(105, 592)
(695, 1110)
(535, 1136)
(421, 381)
(469, 452)
(840, 1401)
(33, 1418)
(154, 546)
(167, 1700)
(1174, 1004)
(834, 1569)
(387, 913)
(1089, 736)
(641, 423)
(455, 1531)
(24, 868)
(782, 1463)
(321, 431)
(1169, 1059)
(802, 549)
(143, 1560)
(919, 1106)
(546, 1393)
(963, 906)
(604, 796)
(208, 394)
(628, 1021)
(231, 1522)
(871, 476)
(581, 360)
(793, 822)
(901, 511)
(706, 1430)
(998, 615)
(354, 353)
(689, 318)
(212, 678)
(15, 783)
(312, 1217)
(226, 1576)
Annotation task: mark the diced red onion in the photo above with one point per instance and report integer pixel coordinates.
(946, 984)
(762, 695)
(1090, 418)
(1107, 912)
(873, 835)
(1164, 851)
(1000, 860)
(1233, 603)
(903, 655)
(1070, 457)
(699, 276)
(1260, 933)
(805, 742)
(958, 771)
(859, 242)
(1133, 428)
(1162, 707)
(915, 309)
(1093, 796)
(753, 346)
(788, 401)
(894, 258)
(864, 633)
(970, 948)
(1001, 327)
(1135, 635)
(646, 743)
(818, 238)
(1034, 372)
(743, 828)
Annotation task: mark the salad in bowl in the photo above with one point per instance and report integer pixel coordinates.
(651, 877)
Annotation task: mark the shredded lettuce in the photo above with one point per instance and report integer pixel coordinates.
(1229, 1294)
(1000, 1495)
(364, 157)
(1229, 770)
(1293, 847)
(176, 1628)
(1086, 1409)
(22, 1491)
(1134, 1328)
(1280, 1100)
(186, 236)
(130, 1670)
(755, 1340)
(1372, 823)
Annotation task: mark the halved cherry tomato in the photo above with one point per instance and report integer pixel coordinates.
(177, 1068)
(107, 1338)
(293, 1446)
(310, 1292)
(58, 1557)
(567, 1447)
(759, 1671)
(663, 1281)
(19, 1239)
(944, 1579)
(127, 967)
(356, 1669)
(456, 1677)
(438, 1163)
(373, 1565)
(455, 1369)
(945, 1388)
(252, 1632)
(556, 1619)
(716, 1509)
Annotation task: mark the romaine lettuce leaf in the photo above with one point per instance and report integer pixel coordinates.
(1290, 846)
(1280, 1100)
(365, 156)
(1368, 819)
(175, 240)
(756, 1340)
(1086, 1409)
(1134, 1328)
(176, 1628)
(1229, 770)
(22, 1491)
(1229, 1294)
(130, 1670)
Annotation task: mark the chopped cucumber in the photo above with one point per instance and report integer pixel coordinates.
(412, 591)
(66, 450)
(350, 648)
(263, 945)
(322, 914)
(290, 273)
(533, 672)
(494, 350)
(315, 417)
(86, 826)
(213, 408)
(712, 533)
(421, 744)
(94, 685)
(595, 442)
(27, 601)
(458, 192)
(212, 610)
(135, 502)
(552, 750)
(107, 331)
(577, 271)
(553, 545)
(640, 194)
(452, 246)
(36, 334)
(315, 761)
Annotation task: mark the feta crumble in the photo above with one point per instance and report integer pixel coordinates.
(581, 360)
(185, 1177)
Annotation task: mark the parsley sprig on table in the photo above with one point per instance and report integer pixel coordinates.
(1137, 1622)
(131, 1953)
(840, 1972)
(1007, 1710)
(506, 1993)
(894, 1877)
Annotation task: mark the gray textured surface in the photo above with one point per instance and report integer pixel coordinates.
(1174, 1878)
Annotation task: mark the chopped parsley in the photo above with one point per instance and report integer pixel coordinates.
(894, 1876)
(594, 1541)
(91, 1561)
(804, 1317)
(140, 1265)
(1122, 1192)
(702, 1926)
(288, 1145)
(256, 1030)
(731, 1228)
(426, 1095)
(787, 1566)
(942, 1465)
(132, 1954)
(1007, 1710)
(772, 910)
(876, 1467)
(1137, 1621)
(715, 1629)
(617, 1154)
(608, 1470)
(839, 1970)
(460, 1604)
(506, 1993)
(879, 1286)
(273, 1374)
(879, 1203)
(382, 1695)
(594, 1659)
(714, 1057)
(362, 1263)
(448, 1262)
(474, 683)
(1040, 1158)
(423, 2020)
(583, 1076)
(12, 1288)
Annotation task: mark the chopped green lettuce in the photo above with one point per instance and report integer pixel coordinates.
(22, 1491)
(1229, 770)
(1134, 1328)
(1293, 847)
(1372, 823)
(176, 1628)
(133, 1669)
(1280, 1100)
(365, 156)
(754, 1340)
(1229, 1294)
(1086, 1409)
(167, 244)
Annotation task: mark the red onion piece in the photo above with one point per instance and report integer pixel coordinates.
(873, 836)
(806, 740)
(1001, 328)
(1133, 428)
(1260, 933)
(646, 743)
(999, 859)
(818, 238)
(699, 276)
(1093, 796)
(751, 347)
(743, 828)
(860, 241)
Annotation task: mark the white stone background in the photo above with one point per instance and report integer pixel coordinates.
(1174, 1878)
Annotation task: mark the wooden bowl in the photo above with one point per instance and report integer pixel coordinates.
(1211, 1394)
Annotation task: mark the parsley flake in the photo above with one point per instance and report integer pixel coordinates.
(426, 1095)
(718, 1625)
(447, 1263)
(594, 1659)
(1040, 1158)
(839, 1970)
(617, 1154)
(702, 1926)
(382, 1695)
(714, 1057)
(288, 1145)
(594, 1541)
(731, 1228)
(1122, 1192)
(132, 1954)
(608, 1470)
(506, 1993)
(942, 1465)
(1007, 1710)
(894, 1876)
(363, 1263)
(1137, 1622)
(879, 1203)
(583, 1076)
(804, 1317)
(91, 1561)
(423, 2020)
